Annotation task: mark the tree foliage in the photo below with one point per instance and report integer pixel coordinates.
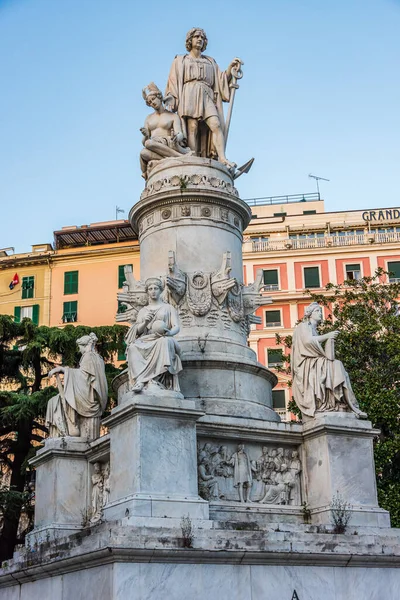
(366, 312)
(27, 354)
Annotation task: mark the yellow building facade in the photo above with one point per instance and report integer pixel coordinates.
(292, 239)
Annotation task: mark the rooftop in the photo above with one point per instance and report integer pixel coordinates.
(108, 232)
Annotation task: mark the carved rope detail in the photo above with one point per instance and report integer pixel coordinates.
(189, 180)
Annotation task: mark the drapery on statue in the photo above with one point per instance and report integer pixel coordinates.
(320, 382)
(153, 354)
(162, 131)
(195, 90)
(77, 409)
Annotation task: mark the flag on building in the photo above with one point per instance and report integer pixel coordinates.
(14, 282)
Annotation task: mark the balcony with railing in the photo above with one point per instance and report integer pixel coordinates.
(265, 200)
(327, 241)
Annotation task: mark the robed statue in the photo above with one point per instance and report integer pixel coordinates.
(77, 408)
(153, 353)
(196, 89)
(320, 382)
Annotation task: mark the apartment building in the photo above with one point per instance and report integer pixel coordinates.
(300, 246)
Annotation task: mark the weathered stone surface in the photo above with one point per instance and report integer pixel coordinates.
(339, 458)
(147, 563)
(153, 458)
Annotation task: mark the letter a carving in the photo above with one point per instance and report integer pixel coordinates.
(295, 596)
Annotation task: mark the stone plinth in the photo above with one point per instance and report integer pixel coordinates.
(339, 459)
(61, 498)
(153, 458)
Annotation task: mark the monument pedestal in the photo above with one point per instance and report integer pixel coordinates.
(339, 460)
(153, 458)
(61, 498)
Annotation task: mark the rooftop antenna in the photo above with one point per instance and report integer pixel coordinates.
(318, 179)
(117, 211)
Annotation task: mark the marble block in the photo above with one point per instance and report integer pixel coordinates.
(153, 458)
(61, 483)
(338, 459)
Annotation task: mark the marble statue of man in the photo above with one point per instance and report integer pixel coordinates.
(162, 131)
(242, 473)
(196, 89)
(81, 401)
(153, 354)
(320, 382)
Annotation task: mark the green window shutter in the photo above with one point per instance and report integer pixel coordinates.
(28, 286)
(353, 267)
(17, 314)
(70, 312)
(273, 318)
(121, 275)
(353, 272)
(278, 399)
(275, 357)
(122, 307)
(271, 277)
(394, 270)
(311, 277)
(122, 353)
(71, 282)
(35, 314)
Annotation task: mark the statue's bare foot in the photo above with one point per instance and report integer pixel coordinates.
(228, 163)
(138, 387)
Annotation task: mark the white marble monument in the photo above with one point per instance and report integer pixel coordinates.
(197, 490)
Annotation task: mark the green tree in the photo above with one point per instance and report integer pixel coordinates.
(27, 354)
(366, 312)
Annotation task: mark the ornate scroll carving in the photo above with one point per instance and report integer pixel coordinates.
(204, 299)
(198, 293)
(266, 475)
(216, 296)
(195, 181)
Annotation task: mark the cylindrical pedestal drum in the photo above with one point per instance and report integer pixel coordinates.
(190, 222)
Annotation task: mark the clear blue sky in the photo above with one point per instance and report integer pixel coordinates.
(320, 94)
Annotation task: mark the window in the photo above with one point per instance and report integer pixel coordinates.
(121, 275)
(275, 357)
(394, 271)
(70, 312)
(27, 312)
(122, 353)
(122, 307)
(311, 277)
(28, 286)
(309, 212)
(271, 281)
(71, 282)
(273, 318)
(278, 399)
(353, 271)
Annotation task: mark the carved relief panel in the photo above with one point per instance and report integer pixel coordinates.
(250, 473)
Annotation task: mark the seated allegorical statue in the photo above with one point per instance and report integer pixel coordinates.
(320, 382)
(153, 354)
(162, 131)
(77, 408)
